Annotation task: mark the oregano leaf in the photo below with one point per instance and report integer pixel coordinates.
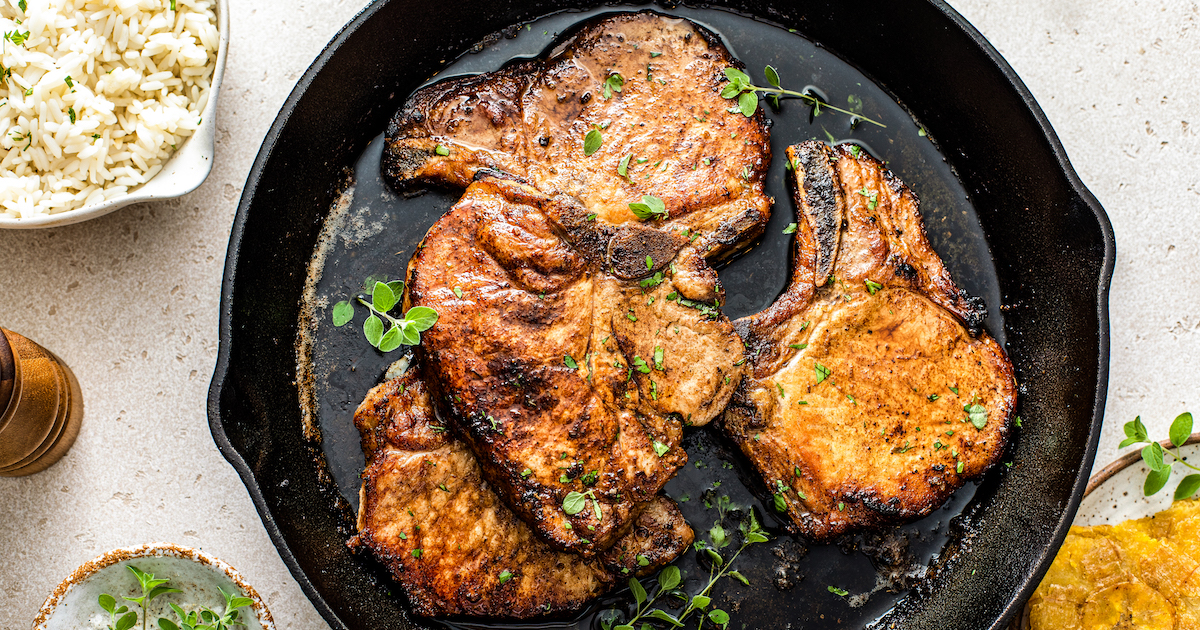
(391, 340)
(1153, 456)
(382, 297)
(1181, 429)
(1187, 487)
(1156, 480)
(422, 317)
(639, 593)
(772, 76)
(748, 103)
(669, 578)
(373, 330)
(343, 312)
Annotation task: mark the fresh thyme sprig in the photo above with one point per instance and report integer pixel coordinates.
(405, 330)
(669, 578)
(746, 93)
(1153, 454)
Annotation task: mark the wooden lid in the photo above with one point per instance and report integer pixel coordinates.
(8, 371)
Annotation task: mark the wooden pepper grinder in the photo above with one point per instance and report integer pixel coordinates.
(41, 406)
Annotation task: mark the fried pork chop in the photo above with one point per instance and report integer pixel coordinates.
(866, 384)
(453, 546)
(570, 353)
(648, 84)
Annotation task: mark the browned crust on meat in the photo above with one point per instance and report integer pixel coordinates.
(452, 544)
(879, 439)
(706, 163)
(539, 283)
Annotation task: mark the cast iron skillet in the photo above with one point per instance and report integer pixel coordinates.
(1052, 245)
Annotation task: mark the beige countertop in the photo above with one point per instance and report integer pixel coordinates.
(130, 300)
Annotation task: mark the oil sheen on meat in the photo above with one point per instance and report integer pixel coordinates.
(452, 544)
(864, 373)
(570, 353)
(661, 115)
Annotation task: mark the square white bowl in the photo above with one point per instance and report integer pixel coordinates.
(182, 173)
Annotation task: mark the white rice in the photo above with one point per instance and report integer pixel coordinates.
(134, 73)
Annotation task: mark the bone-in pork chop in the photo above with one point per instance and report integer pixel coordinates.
(648, 85)
(869, 400)
(570, 353)
(452, 545)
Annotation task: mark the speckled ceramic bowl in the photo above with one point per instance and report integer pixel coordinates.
(1114, 494)
(74, 604)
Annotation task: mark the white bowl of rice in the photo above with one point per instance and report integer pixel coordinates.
(105, 103)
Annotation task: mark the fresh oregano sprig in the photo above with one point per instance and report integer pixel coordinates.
(151, 587)
(206, 618)
(741, 88)
(121, 618)
(405, 330)
(1154, 455)
(669, 578)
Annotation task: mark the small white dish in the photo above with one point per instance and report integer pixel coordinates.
(182, 173)
(1115, 495)
(74, 603)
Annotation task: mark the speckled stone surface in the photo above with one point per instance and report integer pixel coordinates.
(130, 300)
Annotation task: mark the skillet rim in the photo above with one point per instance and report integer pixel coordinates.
(221, 370)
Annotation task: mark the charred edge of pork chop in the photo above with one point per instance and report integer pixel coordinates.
(415, 164)
(452, 545)
(528, 265)
(530, 118)
(865, 442)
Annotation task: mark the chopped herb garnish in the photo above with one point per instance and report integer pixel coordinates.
(570, 362)
(658, 358)
(623, 165)
(416, 553)
(505, 576)
(441, 150)
(790, 229)
(933, 397)
(872, 287)
(660, 449)
(822, 372)
(977, 413)
(71, 113)
(797, 346)
(458, 292)
(525, 473)
(871, 195)
(639, 364)
(613, 84)
(652, 281)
